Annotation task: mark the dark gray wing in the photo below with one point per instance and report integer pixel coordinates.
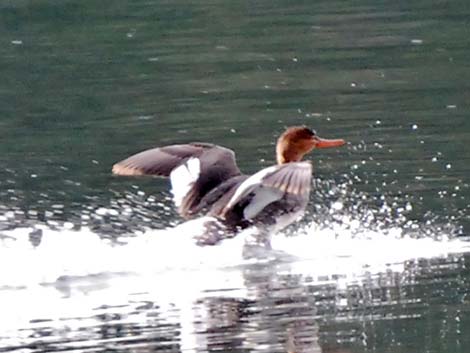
(270, 185)
(194, 169)
(160, 161)
(218, 198)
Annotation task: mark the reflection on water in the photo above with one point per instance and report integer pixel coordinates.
(159, 292)
(94, 263)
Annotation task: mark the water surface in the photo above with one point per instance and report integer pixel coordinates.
(93, 262)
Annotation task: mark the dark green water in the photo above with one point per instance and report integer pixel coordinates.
(87, 83)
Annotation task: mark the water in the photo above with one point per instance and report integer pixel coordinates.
(92, 262)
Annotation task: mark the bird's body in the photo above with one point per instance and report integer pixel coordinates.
(205, 179)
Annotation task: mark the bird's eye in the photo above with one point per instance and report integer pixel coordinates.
(312, 132)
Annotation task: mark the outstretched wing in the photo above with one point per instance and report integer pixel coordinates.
(160, 161)
(194, 170)
(270, 185)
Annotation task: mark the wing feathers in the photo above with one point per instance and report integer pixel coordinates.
(195, 169)
(159, 161)
(183, 179)
(270, 185)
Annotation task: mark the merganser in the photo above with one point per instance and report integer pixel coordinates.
(205, 178)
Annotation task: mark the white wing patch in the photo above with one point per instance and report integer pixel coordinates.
(248, 185)
(263, 197)
(183, 179)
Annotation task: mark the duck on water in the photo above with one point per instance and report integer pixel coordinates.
(205, 178)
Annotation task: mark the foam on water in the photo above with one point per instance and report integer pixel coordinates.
(72, 274)
(67, 253)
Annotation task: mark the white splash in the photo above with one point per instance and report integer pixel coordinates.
(72, 273)
(166, 252)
